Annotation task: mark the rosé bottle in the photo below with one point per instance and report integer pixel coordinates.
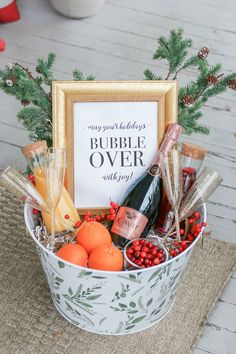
(141, 204)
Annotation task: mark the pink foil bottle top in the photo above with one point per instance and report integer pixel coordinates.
(171, 137)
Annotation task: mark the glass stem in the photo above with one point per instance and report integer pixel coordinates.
(177, 224)
(53, 214)
(169, 232)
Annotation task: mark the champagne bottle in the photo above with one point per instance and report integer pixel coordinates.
(140, 206)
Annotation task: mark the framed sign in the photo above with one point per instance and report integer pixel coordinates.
(111, 132)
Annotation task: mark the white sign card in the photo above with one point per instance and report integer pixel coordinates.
(114, 143)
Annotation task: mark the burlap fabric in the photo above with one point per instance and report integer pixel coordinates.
(29, 323)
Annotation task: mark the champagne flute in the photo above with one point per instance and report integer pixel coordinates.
(201, 190)
(54, 170)
(36, 156)
(14, 182)
(171, 169)
(205, 184)
(17, 184)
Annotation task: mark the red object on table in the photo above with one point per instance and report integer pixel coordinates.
(2, 45)
(9, 11)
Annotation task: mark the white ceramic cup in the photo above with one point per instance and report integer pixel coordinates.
(77, 8)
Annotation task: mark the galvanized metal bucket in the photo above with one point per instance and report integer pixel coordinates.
(111, 303)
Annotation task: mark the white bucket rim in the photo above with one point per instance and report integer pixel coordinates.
(26, 210)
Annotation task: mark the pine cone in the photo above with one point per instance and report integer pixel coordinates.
(10, 66)
(212, 79)
(29, 73)
(38, 69)
(25, 102)
(188, 101)
(203, 53)
(10, 81)
(232, 84)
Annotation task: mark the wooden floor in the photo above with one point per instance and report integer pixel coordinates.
(118, 43)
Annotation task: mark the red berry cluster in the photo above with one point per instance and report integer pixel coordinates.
(89, 218)
(112, 211)
(99, 217)
(77, 224)
(194, 217)
(31, 178)
(179, 247)
(102, 217)
(196, 226)
(145, 254)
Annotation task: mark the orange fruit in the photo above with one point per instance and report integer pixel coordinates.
(73, 253)
(92, 235)
(106, 257)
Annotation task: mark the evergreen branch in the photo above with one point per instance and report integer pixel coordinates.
(18, 81)
(23, 87)
(26, 70)
(188, 119)
(149, 75)
(51, 60)
(79, 76)
(40, 127)
(174, 49)
(220, 87)
(168, 74)
(90, 78)
(44, 68)
(193, 61)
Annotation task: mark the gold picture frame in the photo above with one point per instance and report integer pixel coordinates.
(66, 93)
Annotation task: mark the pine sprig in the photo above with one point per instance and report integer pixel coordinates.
(36, 115)
(40, 127)
(79, 76)
(44, 68)
(192, 62)
(220, 87)
(149, 75)
(210, 81)
(173, 49)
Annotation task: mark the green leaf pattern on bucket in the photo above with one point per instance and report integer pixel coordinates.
(61, 264)
(122, 293)
(83, 298)
(53, 274)
(134, 278)
(112, 303)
